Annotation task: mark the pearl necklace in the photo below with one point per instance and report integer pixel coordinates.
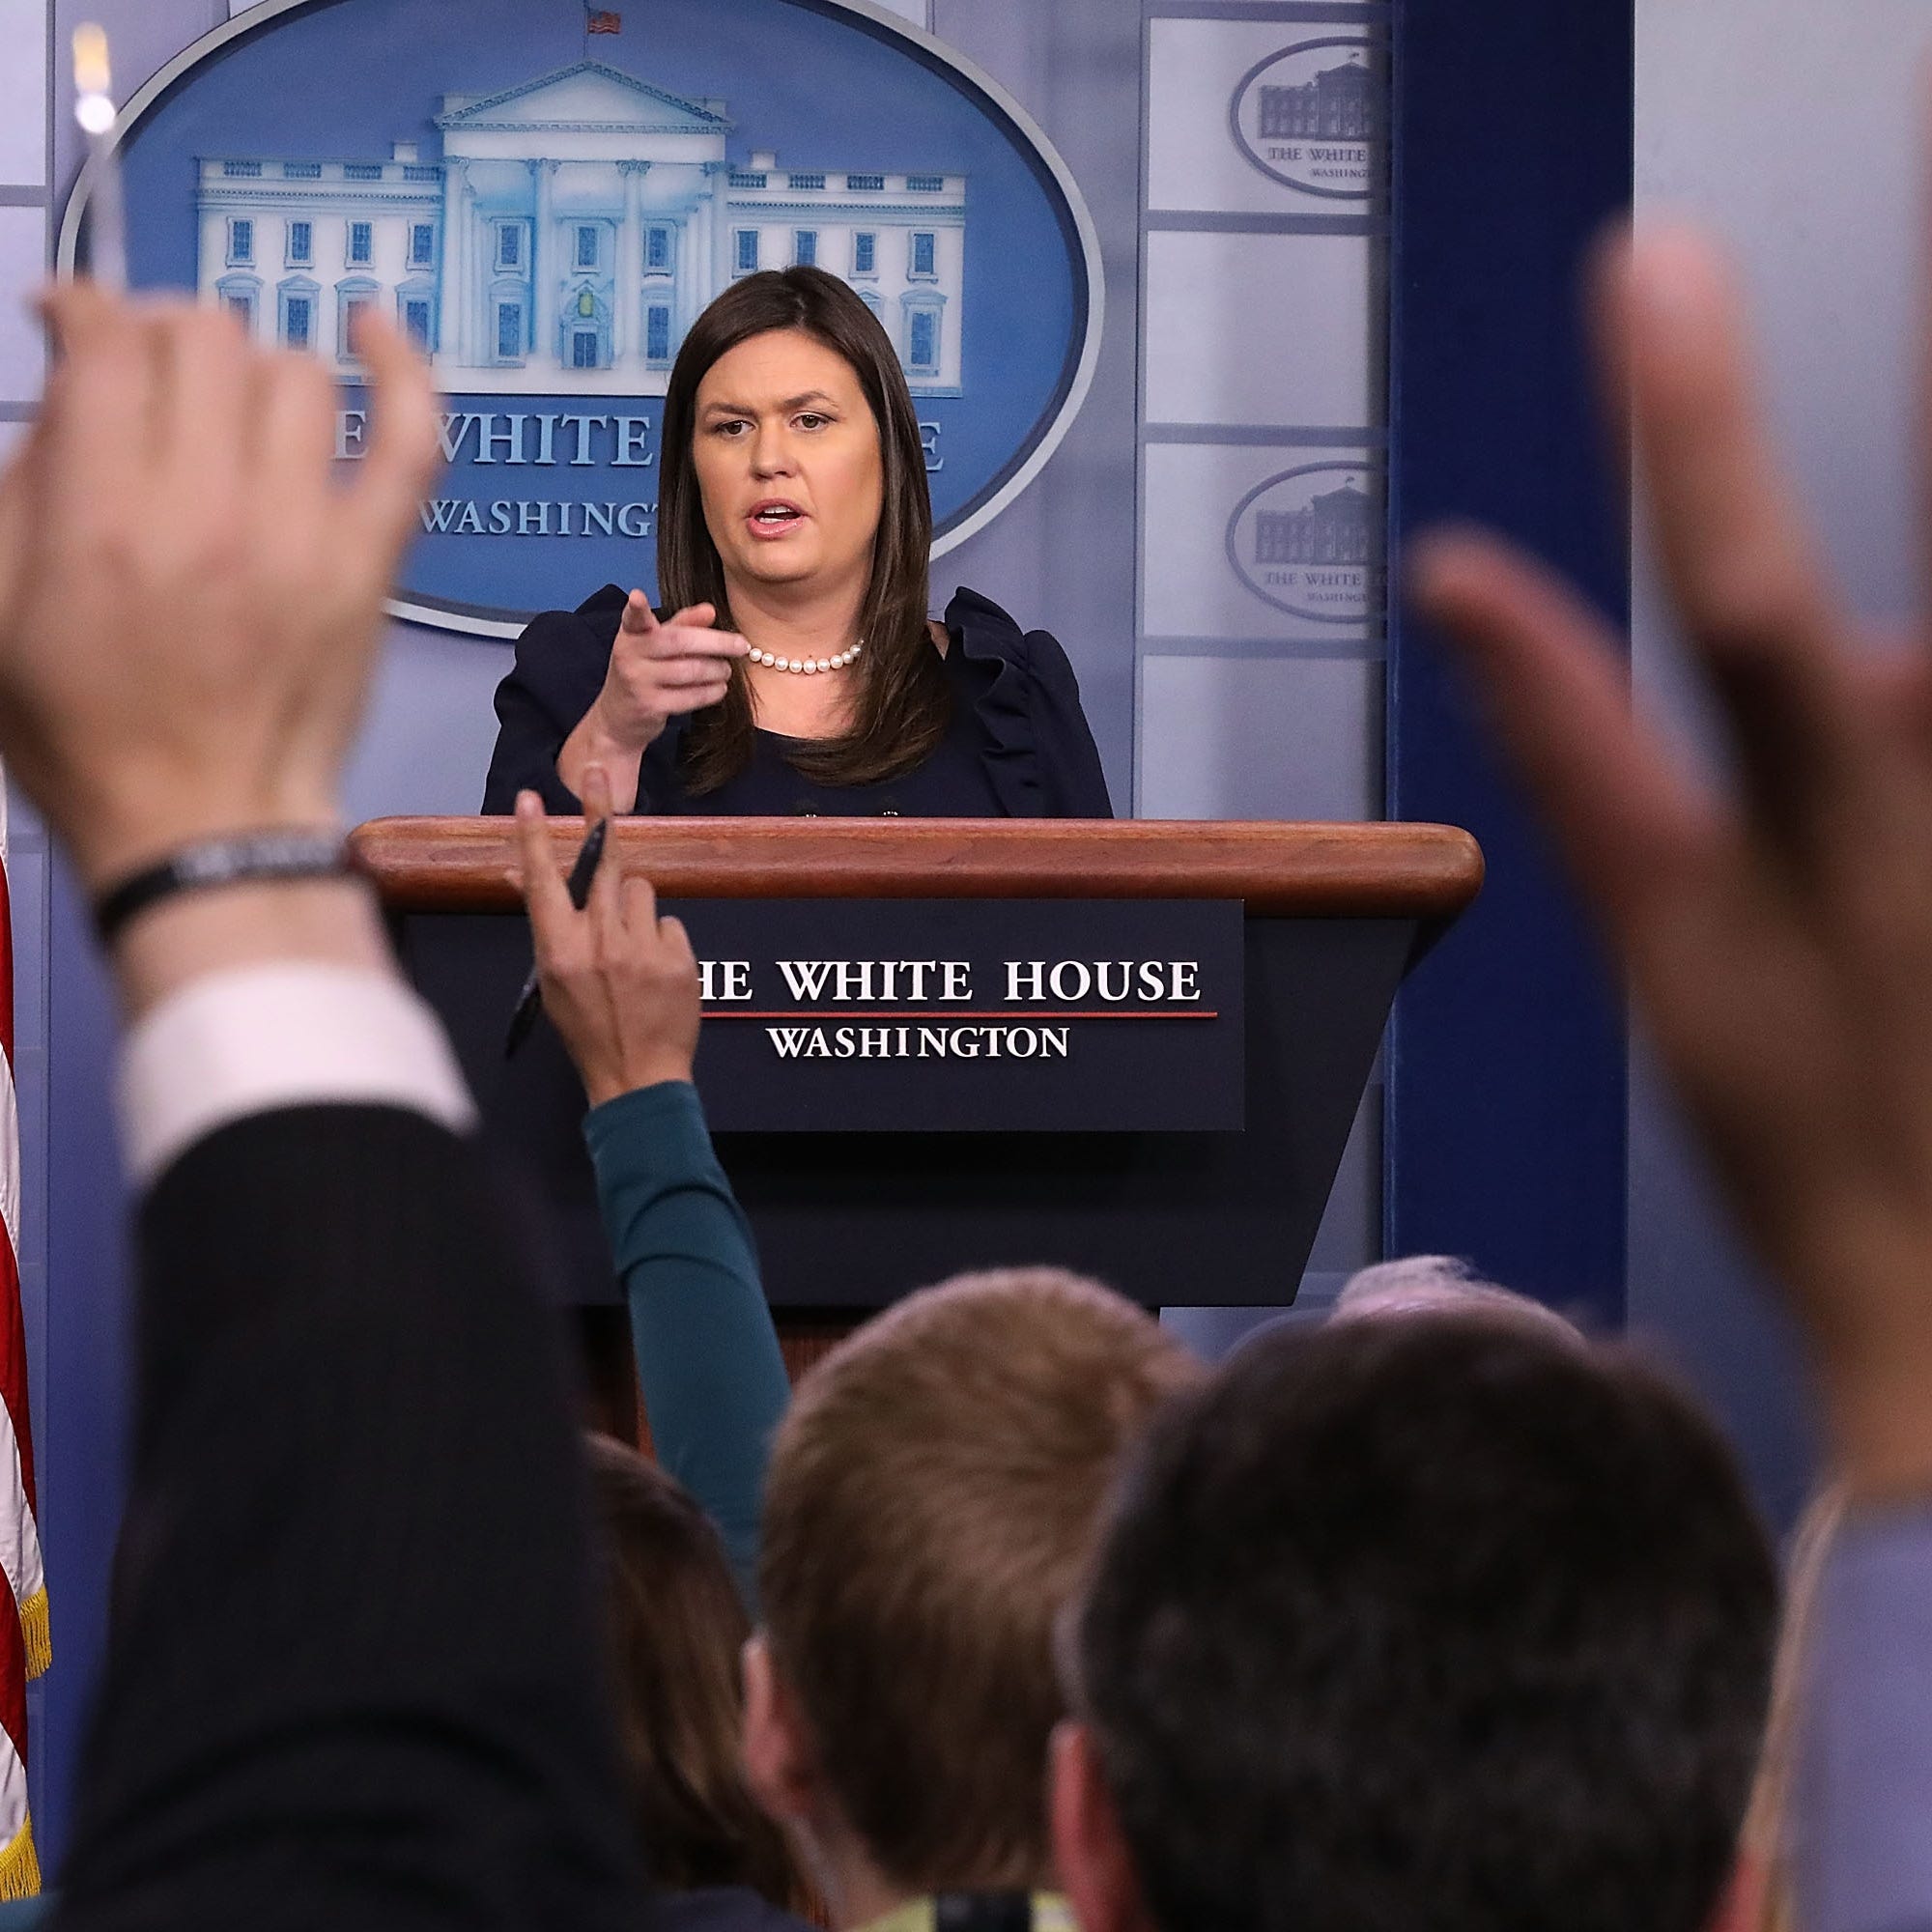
(837, 662)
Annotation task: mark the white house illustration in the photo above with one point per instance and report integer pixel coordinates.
(572, 229)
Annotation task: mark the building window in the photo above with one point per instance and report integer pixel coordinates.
(747, 256)
(583, 349)
(804, 247)
(241, 170)
(656, 333)
(925, 184)
(242, 308)
(422, 244)
(353, 305)
(298, 322)
(362, 171)
(362, 241)
(509, 331)
(416, 322)
(302, 242)
(805, 181)
(587, 245)
(657, 251)
(240, 240)
(302, 171)
(743, 178)
(923, 342)
(924, 254)
(865, 183)
(509, 245)
(865, 253)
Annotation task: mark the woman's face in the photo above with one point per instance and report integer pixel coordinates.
(787, 457)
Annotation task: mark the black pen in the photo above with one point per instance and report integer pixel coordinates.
(530, 1002)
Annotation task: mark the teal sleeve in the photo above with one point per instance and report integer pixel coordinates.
(714, 1383)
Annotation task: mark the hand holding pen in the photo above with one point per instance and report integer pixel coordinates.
(619, 982)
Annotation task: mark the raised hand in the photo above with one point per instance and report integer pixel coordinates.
(619, 982)
(188, 603)
(1778, 941)
(657, 671)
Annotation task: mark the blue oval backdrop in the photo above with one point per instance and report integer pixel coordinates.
(547, 193)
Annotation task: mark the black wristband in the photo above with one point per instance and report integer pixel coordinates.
(242, 858)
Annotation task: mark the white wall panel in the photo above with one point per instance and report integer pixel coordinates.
(1263, 329)
(23, 267)
(1196, 160)
(1190, 586)
(23, 94)
(1260, 738)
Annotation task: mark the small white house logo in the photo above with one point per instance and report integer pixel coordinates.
(1313, 117)
(1309, 541)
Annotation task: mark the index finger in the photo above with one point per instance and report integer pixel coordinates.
(608, 881)
(544, 891)
(403, 451)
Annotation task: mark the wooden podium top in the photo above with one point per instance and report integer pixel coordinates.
(1281, 871)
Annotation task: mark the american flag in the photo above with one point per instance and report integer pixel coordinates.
(601, 20)
(25, 1647)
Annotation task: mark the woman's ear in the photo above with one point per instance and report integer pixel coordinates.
(1089, 1849)
(778, 1761)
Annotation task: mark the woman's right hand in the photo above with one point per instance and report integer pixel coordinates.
(657, 671)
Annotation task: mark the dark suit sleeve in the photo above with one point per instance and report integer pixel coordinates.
(561, 658)
(1070, 760)
(354, 1677)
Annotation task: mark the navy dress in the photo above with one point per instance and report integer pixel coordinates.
(1017, 746)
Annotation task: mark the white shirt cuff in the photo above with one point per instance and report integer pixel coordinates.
(255, 1040)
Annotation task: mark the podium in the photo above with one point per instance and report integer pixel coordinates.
(1332, 916)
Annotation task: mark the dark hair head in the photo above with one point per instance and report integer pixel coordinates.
(903, 701)
(678, 1627)
(1434, 1622)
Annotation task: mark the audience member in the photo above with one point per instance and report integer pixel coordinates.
(1443, 1620)
(933, 1498)
(621, 987)
(353, 1677)
(1441, 1284)
(678, 1628)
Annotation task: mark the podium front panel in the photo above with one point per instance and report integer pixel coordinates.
(853, 1221)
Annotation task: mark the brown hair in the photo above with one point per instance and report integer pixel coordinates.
(677, 1626)
(930, 1503)
(903, 702)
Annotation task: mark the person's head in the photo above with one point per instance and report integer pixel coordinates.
(1435, 1622)
(931, 1505)
(1441, 1284)
(791, 465)
(678, 1627)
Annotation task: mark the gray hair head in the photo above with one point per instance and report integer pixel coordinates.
(1442, 1284)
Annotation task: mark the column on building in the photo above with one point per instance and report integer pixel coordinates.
(717, 260)
(544, 317)
(457, 298)
(627, 320)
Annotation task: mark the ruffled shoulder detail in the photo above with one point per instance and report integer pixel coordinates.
(996, 652)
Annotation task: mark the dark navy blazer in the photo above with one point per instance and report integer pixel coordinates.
(1018, 746)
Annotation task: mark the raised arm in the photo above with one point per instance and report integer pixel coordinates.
(622, 987)
(1778, 941)
(353, 1673)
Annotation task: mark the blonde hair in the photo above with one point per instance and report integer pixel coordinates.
(933, 1498)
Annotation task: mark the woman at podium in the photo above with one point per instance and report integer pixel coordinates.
(794, 669)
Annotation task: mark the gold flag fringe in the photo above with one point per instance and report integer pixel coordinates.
(37, 1635)
(21, 1866)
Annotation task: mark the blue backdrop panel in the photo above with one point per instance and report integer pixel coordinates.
(1506, 1071)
